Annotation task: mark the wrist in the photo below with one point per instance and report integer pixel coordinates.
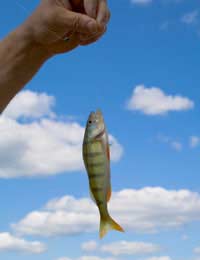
(36, 50)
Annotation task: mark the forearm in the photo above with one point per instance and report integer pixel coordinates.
(41, 36)
(20, 59)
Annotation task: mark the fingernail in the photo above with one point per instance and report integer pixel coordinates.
(92, 27)
(101, 27)
(103, 22)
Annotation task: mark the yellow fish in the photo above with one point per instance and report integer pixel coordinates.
(96, 156)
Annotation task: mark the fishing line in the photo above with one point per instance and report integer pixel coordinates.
(21, 6)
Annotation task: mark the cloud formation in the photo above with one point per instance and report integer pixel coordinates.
(175, 145)
(197, 250)
(88, 258)
(89, 246)
(43, 146)
(65, 216)
(11, 243)
(122, 248)
(130, 248)
(147, 2)
(190, 18)
(153, 101)
(194, 141)
(29, 104)
(159, 258)
(141, 2)
(155, 209)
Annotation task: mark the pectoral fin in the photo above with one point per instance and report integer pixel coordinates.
(109, 193)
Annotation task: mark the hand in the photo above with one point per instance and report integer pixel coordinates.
(97, 9)
(54, 20)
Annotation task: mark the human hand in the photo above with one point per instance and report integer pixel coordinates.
(55, 20)
(97, 9)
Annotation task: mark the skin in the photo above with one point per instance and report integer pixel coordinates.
(42, 35)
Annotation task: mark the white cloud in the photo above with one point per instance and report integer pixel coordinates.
(141, 2)
(64, 258)
(159, 258)
(65, 216)
(190, 18)
(11, 243)
(185, 237)
(197, 250)
(116, 149)
(147, 2)
(177, 146)
(153, 101)
(155, 209)
(130, 248)
(42, 147)
(122, 248)
(95, 258)
(194, 141)
(89, 246)
(87, 258)
(30, 104)
(165, 26)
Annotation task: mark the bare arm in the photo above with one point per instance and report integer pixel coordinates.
(24, 50)
(20, 59)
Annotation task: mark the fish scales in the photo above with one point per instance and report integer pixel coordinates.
(96, 169)
(97, 162)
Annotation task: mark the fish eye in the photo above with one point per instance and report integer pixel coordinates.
(90, 122)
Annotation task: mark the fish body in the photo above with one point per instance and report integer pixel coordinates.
(96, 156)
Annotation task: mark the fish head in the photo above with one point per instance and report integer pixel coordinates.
(95, 125)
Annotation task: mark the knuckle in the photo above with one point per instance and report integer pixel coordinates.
(76, 22)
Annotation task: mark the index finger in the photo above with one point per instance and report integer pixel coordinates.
(91, 7)
(103, 15)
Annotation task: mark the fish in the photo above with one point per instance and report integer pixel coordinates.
(96, 157)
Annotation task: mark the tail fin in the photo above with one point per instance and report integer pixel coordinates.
(108, 224)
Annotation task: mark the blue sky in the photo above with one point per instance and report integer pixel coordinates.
(144, 75)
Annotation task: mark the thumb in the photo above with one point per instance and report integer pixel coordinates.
(81, 23)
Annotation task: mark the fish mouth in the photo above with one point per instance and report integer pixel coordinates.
(98, 136)
(96, 116)
(92, 116)
(99, 117)
(99, 114)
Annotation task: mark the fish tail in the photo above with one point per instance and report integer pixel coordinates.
(107, 224)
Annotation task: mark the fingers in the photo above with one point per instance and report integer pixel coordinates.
(66, 4)
(77, 5)
(90, 7)
(97, 9)
(81, 23)
(85, 40)
(103, 15)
